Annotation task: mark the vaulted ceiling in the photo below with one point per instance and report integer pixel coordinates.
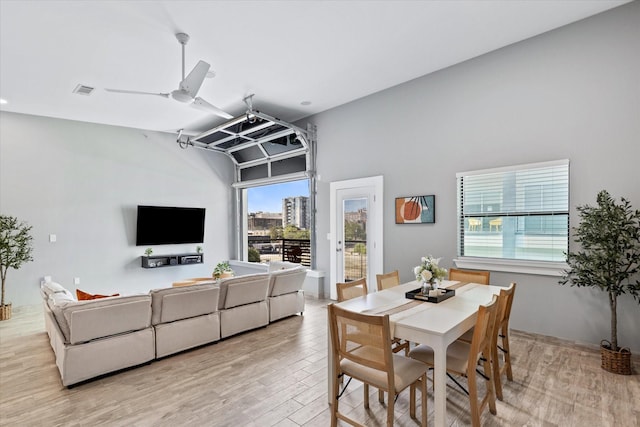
(298, 57)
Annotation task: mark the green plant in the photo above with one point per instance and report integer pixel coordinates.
(148, 251)
(254, 255)
(360, 248)
(15, 246)
(609, 259)
(221, 268)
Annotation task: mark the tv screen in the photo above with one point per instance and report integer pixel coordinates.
(163, 225)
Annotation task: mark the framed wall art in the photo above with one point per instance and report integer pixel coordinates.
(416, 210)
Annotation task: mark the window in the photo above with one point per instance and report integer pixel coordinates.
(516, 213)
(279, 222)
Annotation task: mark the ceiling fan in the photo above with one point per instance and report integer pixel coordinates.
(188, 87)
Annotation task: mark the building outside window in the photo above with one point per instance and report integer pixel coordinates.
(278, 222)
(515, 213)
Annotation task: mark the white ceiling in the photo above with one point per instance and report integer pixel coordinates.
(286, 52)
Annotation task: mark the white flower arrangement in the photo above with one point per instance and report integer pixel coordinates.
(429, 270)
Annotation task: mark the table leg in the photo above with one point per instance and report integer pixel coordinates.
(440, 385)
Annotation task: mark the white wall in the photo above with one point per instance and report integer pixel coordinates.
(83, 183)
(571, 93)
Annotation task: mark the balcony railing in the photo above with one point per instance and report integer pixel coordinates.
(292, 250)
(299, 251)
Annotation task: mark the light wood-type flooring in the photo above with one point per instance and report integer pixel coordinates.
(278, 376)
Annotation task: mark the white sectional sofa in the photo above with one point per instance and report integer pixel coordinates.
(96, 337)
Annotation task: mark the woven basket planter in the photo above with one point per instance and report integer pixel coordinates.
(617, 362)
(5, 312)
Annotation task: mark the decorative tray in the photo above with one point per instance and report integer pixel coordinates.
(417, 294)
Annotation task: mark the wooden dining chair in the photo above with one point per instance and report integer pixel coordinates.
(501, 333)
(388, 280)
(353, 289)
(463, 357)
(474, 276)
(371, 361)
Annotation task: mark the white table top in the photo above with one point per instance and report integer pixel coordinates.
(438, 318)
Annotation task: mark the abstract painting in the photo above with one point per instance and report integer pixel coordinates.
(416, 210)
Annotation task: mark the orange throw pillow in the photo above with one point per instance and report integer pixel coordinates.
(83, 296)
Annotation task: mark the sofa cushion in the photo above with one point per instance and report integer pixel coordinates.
(82, 321)
(84, 296)
(170, 304)
(241, 290)
(286, 281)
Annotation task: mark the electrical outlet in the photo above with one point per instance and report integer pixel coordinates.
(52, 238)
(76, 280)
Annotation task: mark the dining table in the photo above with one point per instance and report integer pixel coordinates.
(434, 324)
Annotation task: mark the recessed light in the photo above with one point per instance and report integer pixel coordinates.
(305, 103)
(3, 101)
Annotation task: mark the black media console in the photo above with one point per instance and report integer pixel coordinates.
(154, 261)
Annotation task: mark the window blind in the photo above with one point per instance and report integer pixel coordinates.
(517, 212)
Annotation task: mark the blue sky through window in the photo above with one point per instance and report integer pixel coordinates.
(268, 198)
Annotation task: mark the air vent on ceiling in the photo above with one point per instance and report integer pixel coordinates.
(83, 90)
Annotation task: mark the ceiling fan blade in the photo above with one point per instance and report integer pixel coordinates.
(202, 104)
(135, 92)
(191, 84)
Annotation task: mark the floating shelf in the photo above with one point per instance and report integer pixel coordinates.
(155, 261)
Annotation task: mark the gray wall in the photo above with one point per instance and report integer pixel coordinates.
(572, 93)
(83, 183)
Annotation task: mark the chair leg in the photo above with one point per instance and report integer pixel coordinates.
(391, 407)
(495, 364)
(334, 402)
(366, 395)
(412, 400)
(489, 384)
(507, 354)
(423, 392)
(380, 395)
(473, 399)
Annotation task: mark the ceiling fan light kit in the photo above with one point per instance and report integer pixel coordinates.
(189, 85)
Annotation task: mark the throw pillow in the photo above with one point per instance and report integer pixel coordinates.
(84, 296)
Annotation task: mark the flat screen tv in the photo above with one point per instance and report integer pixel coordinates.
(163, 225)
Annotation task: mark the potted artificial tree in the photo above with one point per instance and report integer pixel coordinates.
(609, 259)
(15, 250)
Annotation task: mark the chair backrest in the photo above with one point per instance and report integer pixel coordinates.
(387, 280)
(475, 276)
(504, 308)
(363, 339)
(348, 290)
(483, 332)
